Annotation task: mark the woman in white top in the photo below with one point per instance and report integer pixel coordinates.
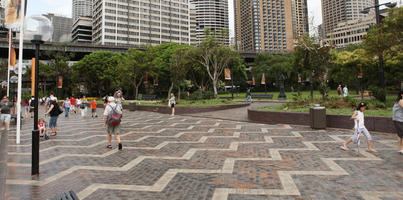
(171, 103)
(359, 127)
(119, 98)
(398, 119)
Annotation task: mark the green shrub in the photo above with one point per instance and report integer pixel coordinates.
(379, 93)
(208, 95)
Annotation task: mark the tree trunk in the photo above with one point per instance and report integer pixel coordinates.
(179, 93)
(137, 92)
(170, 90)
(215, 89)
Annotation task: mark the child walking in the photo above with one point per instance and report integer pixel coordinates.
(41, 127)
(94, 108)
(359, 127)
(171, 103)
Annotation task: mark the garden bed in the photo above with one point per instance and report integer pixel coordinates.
(373, 123)
(164, 109)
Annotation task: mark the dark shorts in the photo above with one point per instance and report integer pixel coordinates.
(399, 128)
(94, 110)
(172, 105)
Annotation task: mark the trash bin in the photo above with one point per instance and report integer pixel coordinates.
(318, 117)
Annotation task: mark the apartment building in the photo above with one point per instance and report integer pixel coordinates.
(141, 22)
(269, 25)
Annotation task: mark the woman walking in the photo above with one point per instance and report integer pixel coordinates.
(66, 105)
(171, 103)
(83, 107)
(119, 98)
(54, 112)
(398, 119)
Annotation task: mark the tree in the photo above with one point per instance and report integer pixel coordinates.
(215, 57)
(386, 41)
(135, 65)
(99, 72)
(272, 65)
(313, 59)
(347, 65)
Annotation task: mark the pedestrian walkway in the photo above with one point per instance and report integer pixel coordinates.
(236, 114)
(186, 157)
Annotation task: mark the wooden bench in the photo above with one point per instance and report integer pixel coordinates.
(262, 96)
(148, 97)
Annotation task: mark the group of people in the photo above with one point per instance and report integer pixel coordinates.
(359, 125)
(81, 105)
(343, 90)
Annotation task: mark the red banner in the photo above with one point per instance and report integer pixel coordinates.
(60, 82)
(253, 80)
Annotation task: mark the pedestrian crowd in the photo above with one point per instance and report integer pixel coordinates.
(113, 113)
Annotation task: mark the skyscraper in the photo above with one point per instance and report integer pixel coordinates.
(61, 27)
(82, 30)
(300, 17)
(213, 15)
(336, 11)
(141, 22)
(81, 8)
(269, 25)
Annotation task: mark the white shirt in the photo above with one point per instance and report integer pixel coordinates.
(360, 118)
(109, 107)
(79, 102)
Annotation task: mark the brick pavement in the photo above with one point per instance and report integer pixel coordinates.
(185, 157)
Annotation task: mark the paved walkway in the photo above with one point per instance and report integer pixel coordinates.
(237, 114)
(185, 157)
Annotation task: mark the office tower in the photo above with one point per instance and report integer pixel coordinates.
(213, 15)
(336, 11)
(352, 31)
(82, 30)
(141, 22)
(81, 8)
(269, 25)
(2, 12)
(300, 17)
(61, 27)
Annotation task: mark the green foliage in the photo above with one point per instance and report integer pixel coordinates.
(199, 94)
(379, 93)
(99, 72)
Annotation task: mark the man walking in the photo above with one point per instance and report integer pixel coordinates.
(345, 91)
(112, 116)
(5, 118)
(66, 105)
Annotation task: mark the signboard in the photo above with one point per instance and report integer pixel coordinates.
(13, 13)
(253, 81)
(263, 81)
(60, 82)
(227, 73)
(33, 77)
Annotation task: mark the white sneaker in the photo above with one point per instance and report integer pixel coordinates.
(401, 152)
(3, 128)
(8, 129)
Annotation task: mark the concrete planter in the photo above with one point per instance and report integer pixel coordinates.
(380, 124)
(183, 109)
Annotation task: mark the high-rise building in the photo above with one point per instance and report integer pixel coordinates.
(212, 15)
(352, 31)
(2, 12)
(269, 25)
(61, 27)
(336, 11)
(141, 22)
(300, 17)
(82, 30)
(81, 8)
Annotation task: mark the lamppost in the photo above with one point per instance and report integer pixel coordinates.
(38, 30)
(378, 23)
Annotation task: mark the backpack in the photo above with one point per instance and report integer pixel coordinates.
(114, 117)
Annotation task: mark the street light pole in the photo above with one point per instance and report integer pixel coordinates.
(35, 133)
(380, 56)
(378, 24)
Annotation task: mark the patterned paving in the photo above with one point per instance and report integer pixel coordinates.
(186, 157)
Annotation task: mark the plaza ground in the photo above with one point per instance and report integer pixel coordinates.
(201, 156)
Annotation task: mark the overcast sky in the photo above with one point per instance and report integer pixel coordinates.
(63, 7)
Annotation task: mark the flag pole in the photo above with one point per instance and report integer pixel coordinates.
(20, 71)
(9, 62)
